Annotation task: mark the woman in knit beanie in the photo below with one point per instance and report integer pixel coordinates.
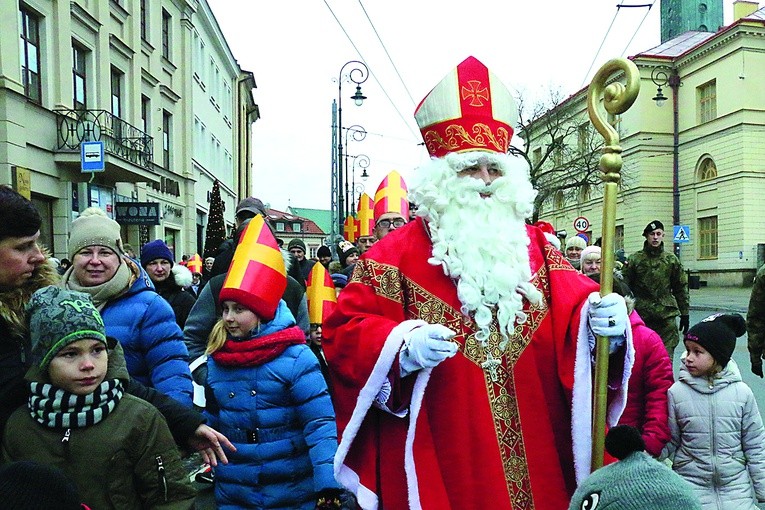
(574, 247)
(718, 439)
(132, 311)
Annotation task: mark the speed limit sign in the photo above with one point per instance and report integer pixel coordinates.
(582, 224)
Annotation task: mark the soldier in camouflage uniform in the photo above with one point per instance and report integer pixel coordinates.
(755, 322)
(660, 286)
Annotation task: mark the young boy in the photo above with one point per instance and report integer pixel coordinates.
(116, 448)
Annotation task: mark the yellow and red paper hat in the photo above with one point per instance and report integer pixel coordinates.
(469, 109)
(351, 229)
(391, 196)
(195, 264)
(257, 277)
(365, 216)
(320, 294)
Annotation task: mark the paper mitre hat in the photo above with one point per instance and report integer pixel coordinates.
(470, 109)
(351, 229)
(320, 294)
(195, 264)
(391, 196)
(257, 276)
(365, 216)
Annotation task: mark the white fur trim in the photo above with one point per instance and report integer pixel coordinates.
(181, 275)
(553, 239)
(343, 474)
(581, 406)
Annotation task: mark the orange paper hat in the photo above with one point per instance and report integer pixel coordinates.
(470, 109)
(351, 229)
(257, 276)
(320, 294)
(195, 264)
(365, 216)
(391, 196)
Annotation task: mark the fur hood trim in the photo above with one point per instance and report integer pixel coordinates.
(13, 301)
(181, 275)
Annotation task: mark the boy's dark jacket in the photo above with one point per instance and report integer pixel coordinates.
(127, 461)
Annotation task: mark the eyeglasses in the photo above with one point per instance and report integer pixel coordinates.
(398, 223)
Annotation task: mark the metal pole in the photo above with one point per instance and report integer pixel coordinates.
(617, 98)
(674, 83)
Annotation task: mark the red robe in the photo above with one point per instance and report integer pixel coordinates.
(477, 443)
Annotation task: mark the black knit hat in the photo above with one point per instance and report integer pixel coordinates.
(26, 485)
(344, 250)
(717, 334)
(653, 226)
(323, 251)
(156, 249)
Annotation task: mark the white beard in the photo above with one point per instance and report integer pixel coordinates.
(480, 242)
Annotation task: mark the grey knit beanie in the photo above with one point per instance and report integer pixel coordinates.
(59, 317)
(636, 482)
(94, 228)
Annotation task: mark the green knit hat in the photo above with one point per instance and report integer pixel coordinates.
(59, 317)
(636, 482)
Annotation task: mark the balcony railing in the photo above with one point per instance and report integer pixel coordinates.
(120, 138)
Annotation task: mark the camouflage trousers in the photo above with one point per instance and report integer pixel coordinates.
(670, 335)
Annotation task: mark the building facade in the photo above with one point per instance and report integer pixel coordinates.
(709, 136)
(119, 72)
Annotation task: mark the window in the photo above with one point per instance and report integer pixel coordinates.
(144, 20)
(279, 226)
(619, 237)
(583, 138)
(29, 46)
(559, 200)
(296, 227)
(167, 121)
(116, 92)
(536, 156)
(707, 98)
(145, 114)
(708, 237)
(166, 22)
(557, 154)
(79, 78)
(707, 170)
(585, 193)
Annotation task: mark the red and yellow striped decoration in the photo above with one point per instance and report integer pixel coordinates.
(365, 216)
(195, 264)
(351, 229)
(320, 294)
(257, 276)
(391, 196)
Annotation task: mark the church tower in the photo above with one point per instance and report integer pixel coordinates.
(679, 16)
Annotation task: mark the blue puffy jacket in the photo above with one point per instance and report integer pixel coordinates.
(145, 325)
(285, 405)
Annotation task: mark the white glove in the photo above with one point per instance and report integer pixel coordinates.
(426, 347)
(608, 315)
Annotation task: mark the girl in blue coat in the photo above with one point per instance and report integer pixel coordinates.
(266, 391)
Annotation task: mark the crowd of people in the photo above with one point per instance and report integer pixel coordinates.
(440, 356)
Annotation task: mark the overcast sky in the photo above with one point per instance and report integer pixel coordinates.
(295, 49)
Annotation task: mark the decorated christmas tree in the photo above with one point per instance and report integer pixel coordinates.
(216, 227)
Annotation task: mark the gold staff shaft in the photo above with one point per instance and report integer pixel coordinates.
(617, 99)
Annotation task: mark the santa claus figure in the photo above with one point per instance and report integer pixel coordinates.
(461, 349)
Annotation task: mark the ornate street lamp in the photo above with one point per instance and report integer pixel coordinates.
(663, 76)
(357, 134)
(362, 161)
(357, 74)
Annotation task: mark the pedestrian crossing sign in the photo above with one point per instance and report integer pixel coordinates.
(682, 234)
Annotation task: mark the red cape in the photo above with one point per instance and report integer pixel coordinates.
(477, 443)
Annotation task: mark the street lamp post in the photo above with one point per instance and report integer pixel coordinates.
(358, 74)
(362, 160)
(357, 134)
(663, 76)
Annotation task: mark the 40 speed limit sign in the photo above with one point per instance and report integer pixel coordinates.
(582, 224)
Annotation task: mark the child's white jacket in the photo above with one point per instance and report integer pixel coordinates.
(718, 439)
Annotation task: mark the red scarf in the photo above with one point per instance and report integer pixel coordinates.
(256, 351)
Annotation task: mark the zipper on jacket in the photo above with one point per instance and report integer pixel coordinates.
(161, 475)
(65, 441)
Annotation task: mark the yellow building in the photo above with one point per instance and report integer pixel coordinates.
(708, 137)
(121, 72)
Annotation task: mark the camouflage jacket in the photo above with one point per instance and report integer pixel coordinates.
(755, 318)
(659, 283)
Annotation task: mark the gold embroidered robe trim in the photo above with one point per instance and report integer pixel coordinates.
(418, 303)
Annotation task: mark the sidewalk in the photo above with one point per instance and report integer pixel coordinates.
(721, 299)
